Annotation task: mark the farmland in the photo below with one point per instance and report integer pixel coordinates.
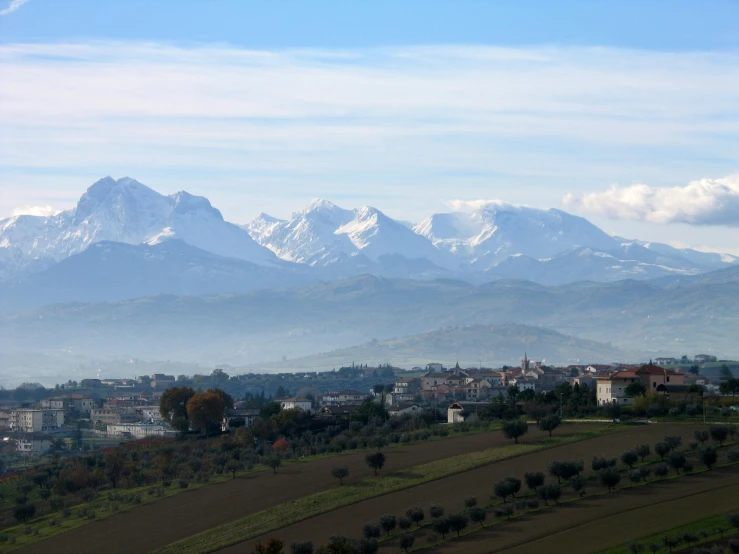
(155, 525)
(451, 490)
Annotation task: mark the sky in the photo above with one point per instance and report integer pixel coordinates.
(624, 112)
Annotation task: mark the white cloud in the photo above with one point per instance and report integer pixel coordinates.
(474, 205)
(44, 211)
(14, 5)
(702, 202)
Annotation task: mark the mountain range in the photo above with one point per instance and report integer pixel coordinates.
(124, 240)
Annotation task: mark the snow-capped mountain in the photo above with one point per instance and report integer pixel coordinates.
(495, 231)
(124, 211)
(323, 234)
(320, 242)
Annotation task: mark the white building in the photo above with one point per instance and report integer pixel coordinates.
(455, 413)
(296, 403)
(33, 444)
(139, 430)
(30, 420)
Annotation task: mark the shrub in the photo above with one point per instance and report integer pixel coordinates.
(470, 502)
(184, 483)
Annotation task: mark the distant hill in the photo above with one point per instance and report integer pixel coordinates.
(492, 345)
(262, 326)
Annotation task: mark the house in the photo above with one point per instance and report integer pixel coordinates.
(704, 358)
(31, 420)
(138, 430)
(343, 398)
(334, 412)
(407, 386)
(455, 413)
(403, 409)
(243, 417)
(114, 416)
(434, 367)
(33, 444)
(57, 403)
(162, 381)
(4, 420)
(524, 383)
(666, 361)
(611, 389)
(296, 403)
(83, 404)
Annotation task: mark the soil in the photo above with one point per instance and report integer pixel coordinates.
(152, 526)
(451, 491)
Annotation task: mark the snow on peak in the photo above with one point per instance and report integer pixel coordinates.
(127, 211)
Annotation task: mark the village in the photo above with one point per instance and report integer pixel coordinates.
(114, 410)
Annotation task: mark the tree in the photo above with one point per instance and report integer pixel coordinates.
(24, 512)
(303, 547)
(550, 492)
(515, 428)
(406, 541)
(662, 449)
(376, 461)
(534, 480)
(630, 457)
(733, 520)
(609, 477)
(388, 523)
(719, 433)
(457, 522)
(338, 544)
(366, 546)
(371, 531)
(549, 423)
(660, 470)
(436, 510)
(643, 450)
(228, 401)
(673, 442)
(601, 462)
(274, 462)
(725, 373)
(470, 502)
(205, 411)
(676, 460)
(635, 476)
(441, 526)
(577, 484)
(232, 466)
(701, 435)
(635, 547)
(340, 473)
(507, 487)
(708, 456)
(478, 515)
(173, 407)
(415, 514)
(635, 389)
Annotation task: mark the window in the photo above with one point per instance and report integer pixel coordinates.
(668, 378)
(654, 384)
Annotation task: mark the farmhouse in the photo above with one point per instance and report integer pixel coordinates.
(296, 403)
(612, 388)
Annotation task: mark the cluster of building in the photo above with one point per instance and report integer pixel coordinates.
(124, 414)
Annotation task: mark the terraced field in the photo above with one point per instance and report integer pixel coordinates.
(153, 526)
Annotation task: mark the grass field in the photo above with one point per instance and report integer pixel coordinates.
(326, 501)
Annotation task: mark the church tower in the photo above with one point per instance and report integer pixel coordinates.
(525, 362)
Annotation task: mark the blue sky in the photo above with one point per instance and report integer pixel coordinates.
(609, 109)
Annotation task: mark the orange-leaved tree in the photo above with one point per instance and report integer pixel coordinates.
(205, 411)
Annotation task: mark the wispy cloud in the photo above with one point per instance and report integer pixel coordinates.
(35, 210)
(702, 202)
(14, 5)
(474, 205)
(416, 124)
